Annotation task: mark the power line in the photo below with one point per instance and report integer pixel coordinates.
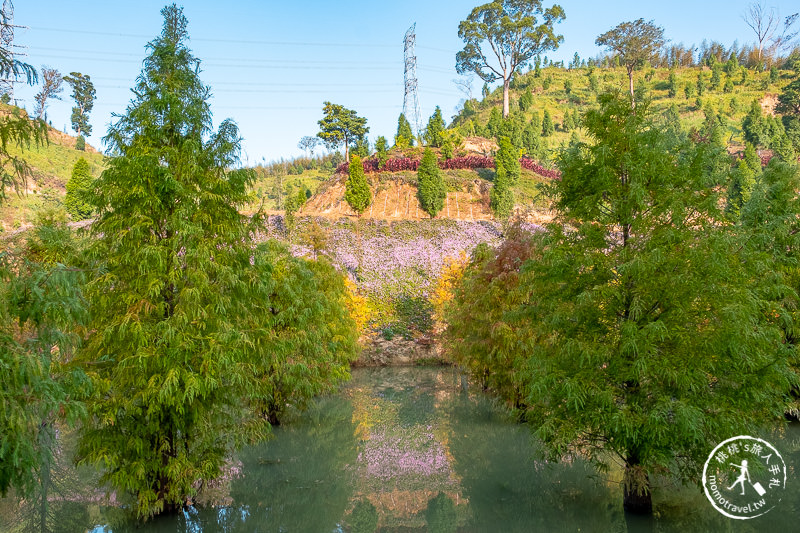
(210, 40)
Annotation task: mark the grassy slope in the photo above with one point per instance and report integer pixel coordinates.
(555, 99)
(52, 166)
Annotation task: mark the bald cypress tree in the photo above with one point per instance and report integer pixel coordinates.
(167, 353)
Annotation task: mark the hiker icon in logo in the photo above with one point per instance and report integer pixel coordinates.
(751, 461)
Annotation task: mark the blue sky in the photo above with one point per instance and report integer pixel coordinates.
(271, 65)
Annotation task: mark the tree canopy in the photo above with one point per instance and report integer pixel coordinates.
(341, 126)
(634, 42)
(514, 33)
(84, 95)
(166, 351)
(639, 327)
(357, 193)
(404, 136)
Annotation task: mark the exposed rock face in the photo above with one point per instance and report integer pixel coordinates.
(397, 351)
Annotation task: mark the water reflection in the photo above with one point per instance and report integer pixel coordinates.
(402, 449)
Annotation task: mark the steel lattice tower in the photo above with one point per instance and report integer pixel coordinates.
(411, 98)
(7, 43)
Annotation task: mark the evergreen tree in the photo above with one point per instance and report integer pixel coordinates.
(77, 200)
(507, 171)
(41, 311)
(754, 126)
(433, 133)
(526, 100)
(495, 123)
(568, 124)
(357, 191)
(672, 85)
(743, 180)
(381, 151)
(404, 136)
(430, 186)
(626, 337)
(532, 137)
(167, 350)
(547, 125)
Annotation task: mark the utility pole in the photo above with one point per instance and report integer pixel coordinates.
(411, 98)
(7, 44)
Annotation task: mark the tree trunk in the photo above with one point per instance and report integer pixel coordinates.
(630, 85)
(506, 83)
(636, 498)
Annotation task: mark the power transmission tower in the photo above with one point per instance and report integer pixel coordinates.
(411, 98)
(7, 43)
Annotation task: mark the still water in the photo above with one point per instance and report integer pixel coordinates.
(406, 449)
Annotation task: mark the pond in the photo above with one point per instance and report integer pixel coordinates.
(407, 449)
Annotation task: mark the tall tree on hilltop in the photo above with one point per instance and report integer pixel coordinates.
(167, 351)
(84, 95)
(51, 87)
(341, 126)
(404, 136)
(514, 34)
(433, 133)
(430, 186)
(635, 42)
(357, 193)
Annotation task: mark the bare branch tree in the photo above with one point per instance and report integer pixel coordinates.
(765, 22)
(51, 87)
(464, 85)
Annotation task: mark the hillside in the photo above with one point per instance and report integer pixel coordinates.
(51, 165)
(727, 89)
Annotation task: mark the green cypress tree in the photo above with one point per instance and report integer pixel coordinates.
(79, 185)
(381, 151)
(357, 191)
(532, 137)
(507, 171)
(167, 352)
(754, 126)
(433, 133)
(404, 136)
(672, 85)
(629, 337)
(548, 128)
(430, 186)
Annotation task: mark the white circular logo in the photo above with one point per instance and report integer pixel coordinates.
(744, 477)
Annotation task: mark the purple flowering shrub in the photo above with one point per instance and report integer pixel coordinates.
(395, 265)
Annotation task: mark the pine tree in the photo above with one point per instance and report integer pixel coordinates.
(79, 185)
(167, 351)
(548, 128)
(743, 180)
(430, 186)
(357, 191)
(507, 171)
(381, 151)
(404, 137)
(433, 133)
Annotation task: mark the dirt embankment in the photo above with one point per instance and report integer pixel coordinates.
(394, 199)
